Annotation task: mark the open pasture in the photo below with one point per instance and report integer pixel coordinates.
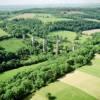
(85, 82)
(64, 34)
(94, 68)
(12, 45)
(41, 16)
(61, 91)
(2, 33)
(9, 74)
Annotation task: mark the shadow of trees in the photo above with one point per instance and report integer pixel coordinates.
(50, 96)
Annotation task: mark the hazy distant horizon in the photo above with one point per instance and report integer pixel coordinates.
(21, 7)
(48, 5)
(47, 2)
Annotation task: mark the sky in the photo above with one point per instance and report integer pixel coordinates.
(43, 2)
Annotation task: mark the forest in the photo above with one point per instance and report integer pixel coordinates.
(43, 46)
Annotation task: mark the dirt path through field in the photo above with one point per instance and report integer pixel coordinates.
(90, 32)
(86, 82)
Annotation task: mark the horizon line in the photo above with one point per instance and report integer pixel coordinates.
(50, 4)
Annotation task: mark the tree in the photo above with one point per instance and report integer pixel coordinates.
(50, 97)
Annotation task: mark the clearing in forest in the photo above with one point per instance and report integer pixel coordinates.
(9, 74)
(12, 45)
(2, 33)
(64, 34)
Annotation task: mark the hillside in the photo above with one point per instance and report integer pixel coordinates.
(50, 54)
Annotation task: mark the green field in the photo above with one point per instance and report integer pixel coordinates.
(61, 91)
(53, 19)
(31, 15)
(12, 45)
(83, 38)
(64, 34)
(2, 33)
(42, 16)
(94, 68)
(9, 74)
